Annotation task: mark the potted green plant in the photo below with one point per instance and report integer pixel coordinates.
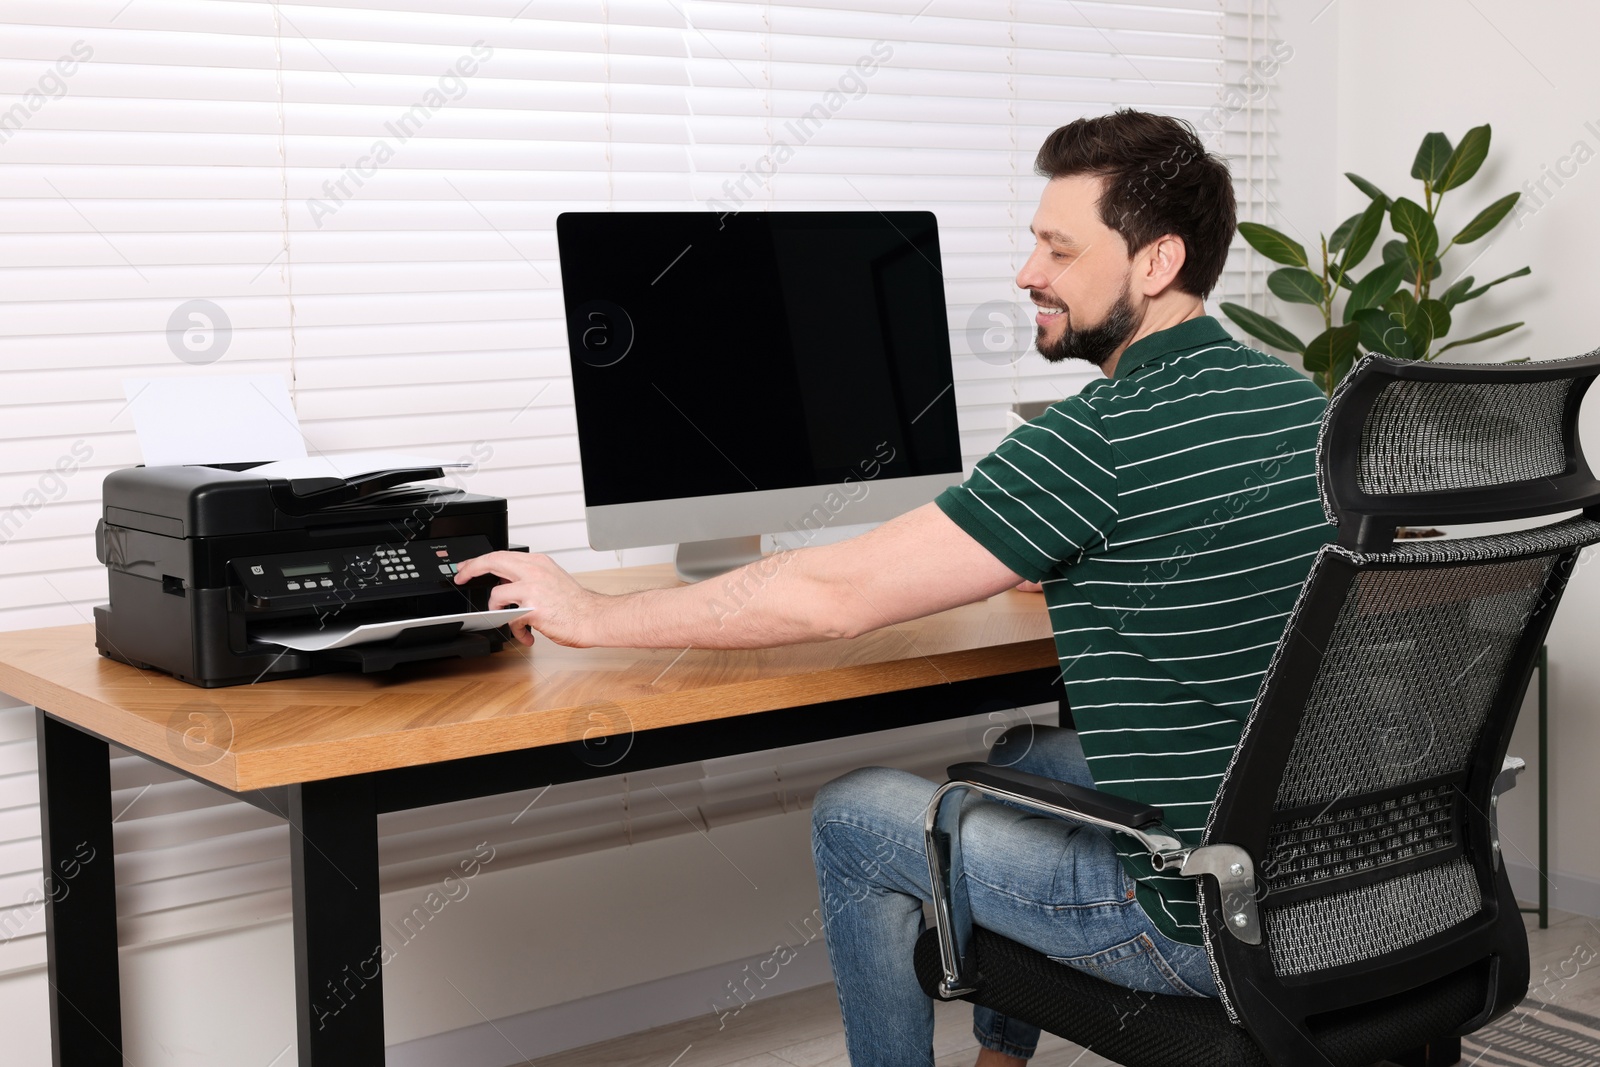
(1392, 309)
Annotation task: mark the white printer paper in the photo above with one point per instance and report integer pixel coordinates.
(235, 418)
(312, 639)
(350, 465)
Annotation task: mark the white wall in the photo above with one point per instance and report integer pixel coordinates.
(1526, 67)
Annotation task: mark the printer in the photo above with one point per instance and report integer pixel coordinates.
(202, 560)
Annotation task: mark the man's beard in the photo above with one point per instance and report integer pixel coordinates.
(1092, 344)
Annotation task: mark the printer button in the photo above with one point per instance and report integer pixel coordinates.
(327, 583)
(294, 585)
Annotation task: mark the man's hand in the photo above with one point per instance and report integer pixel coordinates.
(556, 603)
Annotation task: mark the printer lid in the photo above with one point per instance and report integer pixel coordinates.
(203, 501)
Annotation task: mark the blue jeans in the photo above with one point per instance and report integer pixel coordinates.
(1050, 884)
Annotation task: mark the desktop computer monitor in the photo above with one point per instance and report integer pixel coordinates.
(746, 374)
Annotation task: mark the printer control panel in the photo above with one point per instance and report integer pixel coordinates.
(397, 566)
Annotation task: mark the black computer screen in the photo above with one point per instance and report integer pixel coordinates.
(715, 354)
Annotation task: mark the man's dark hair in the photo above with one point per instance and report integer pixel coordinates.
(1159, 179)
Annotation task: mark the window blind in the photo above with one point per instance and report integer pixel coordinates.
(360, 195)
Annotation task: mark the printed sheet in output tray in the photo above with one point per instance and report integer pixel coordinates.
(312, 639)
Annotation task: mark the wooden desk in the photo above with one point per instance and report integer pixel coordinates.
(329, 753)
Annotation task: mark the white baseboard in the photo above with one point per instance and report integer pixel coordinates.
(617, 1013)
(1569, 892)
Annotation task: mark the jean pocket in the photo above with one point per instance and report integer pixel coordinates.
(1134, 964)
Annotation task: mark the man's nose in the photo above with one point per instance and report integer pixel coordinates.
(1032, 275)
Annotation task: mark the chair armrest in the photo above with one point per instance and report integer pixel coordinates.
(1510, 768)
(1052, 794)
(1506, 779)
(952, 909)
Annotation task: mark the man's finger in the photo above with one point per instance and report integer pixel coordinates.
(494, 563)
(475, 566)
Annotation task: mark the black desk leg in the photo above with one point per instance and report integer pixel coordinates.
(80, 910)
(338, 976)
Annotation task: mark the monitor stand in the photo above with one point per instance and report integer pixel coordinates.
(699, 560)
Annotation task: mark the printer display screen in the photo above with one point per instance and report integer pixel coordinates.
(310, 568)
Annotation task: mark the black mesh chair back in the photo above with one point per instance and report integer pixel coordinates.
(1364, 784)
(1412, 443)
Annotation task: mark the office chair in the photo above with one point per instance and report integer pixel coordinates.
(1354, 904)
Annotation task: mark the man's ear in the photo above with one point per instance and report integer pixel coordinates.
(1157, 265)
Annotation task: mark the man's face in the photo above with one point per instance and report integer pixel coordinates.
(1078, 276)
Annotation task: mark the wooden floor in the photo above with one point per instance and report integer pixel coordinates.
(803, 1029)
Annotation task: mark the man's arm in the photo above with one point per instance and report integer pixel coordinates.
(911, 566)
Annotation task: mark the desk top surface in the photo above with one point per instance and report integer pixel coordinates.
(305, 729)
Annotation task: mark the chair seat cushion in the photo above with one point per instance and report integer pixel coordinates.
(1152, 1030)
(1124, 1025)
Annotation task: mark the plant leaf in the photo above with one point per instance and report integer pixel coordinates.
(1487, 219)
(1378, 331)
(1438, 316)
(1410, 220)
(1367, 187)
(1296, 285)
(1484, 288)
(1457, 291)
(1364, 234)
(1475, 338)
(1466, 159)
(1379, 285)
(1263, 328)
(1341, 365)
(1406, 313)
(1341, 232)
(1331, 347)
(1432, 155)
(1340, 276)
(1400, 252)
(1272, 244)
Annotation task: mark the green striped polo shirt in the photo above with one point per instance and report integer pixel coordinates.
(1171, 512)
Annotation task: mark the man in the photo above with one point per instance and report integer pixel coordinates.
(1170, 513)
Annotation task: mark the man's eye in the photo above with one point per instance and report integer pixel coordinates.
(1060, 255)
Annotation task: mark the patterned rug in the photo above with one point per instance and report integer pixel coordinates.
(1535, 1035)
